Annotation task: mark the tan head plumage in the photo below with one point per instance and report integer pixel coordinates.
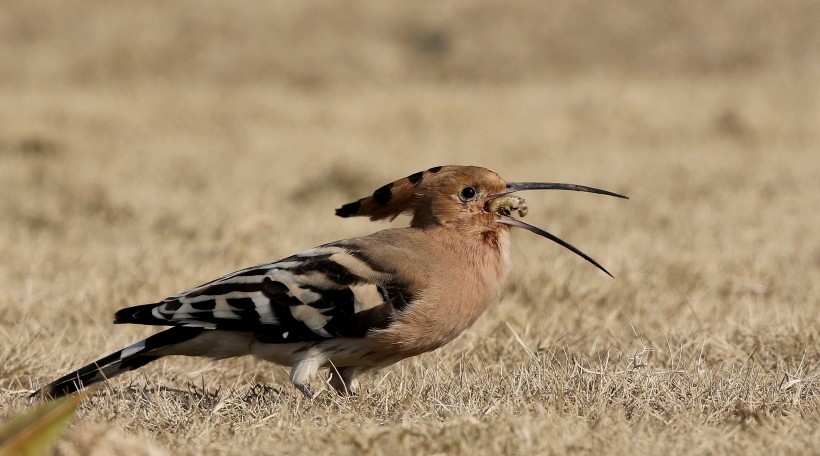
(428, 196)
(412, 193)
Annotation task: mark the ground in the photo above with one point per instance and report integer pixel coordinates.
(146, 147)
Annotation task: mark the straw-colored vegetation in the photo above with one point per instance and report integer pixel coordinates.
(148, 146)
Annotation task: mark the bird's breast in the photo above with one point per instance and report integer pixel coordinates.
(462, 283)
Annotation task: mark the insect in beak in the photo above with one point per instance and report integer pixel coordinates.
(503, 205)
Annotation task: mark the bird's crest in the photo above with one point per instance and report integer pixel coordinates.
(391, 200)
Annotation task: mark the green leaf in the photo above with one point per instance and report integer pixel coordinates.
(31, 433)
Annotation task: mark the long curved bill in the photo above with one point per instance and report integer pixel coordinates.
(519, 186)
(534, 229)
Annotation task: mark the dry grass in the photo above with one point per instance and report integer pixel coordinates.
(148, 146)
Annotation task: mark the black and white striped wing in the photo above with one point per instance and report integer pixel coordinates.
(330, 291)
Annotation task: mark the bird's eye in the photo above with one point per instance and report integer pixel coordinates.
(468, 193)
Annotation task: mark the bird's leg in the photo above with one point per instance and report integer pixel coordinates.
(343, 380)
(305, 390)
(304, 370)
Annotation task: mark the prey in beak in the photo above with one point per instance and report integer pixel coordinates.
(504, 204)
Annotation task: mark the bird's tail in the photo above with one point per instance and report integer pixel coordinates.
(121, 361)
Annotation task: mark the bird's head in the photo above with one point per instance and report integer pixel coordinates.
(471, 199)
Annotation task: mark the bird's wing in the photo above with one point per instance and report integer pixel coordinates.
(334, 290)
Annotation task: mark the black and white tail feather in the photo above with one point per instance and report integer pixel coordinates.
(121, 361)
(280, 311)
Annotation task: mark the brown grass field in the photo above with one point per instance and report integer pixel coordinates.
(146, 147)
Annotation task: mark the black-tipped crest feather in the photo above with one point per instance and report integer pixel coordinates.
(390, 200)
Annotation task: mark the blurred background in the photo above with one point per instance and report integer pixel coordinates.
(145, 146)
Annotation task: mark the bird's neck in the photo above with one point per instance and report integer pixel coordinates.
(479, 262)
(484, 252)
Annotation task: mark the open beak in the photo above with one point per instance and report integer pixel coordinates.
(502, 205)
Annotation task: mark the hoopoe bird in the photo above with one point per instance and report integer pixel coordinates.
(354, 305)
